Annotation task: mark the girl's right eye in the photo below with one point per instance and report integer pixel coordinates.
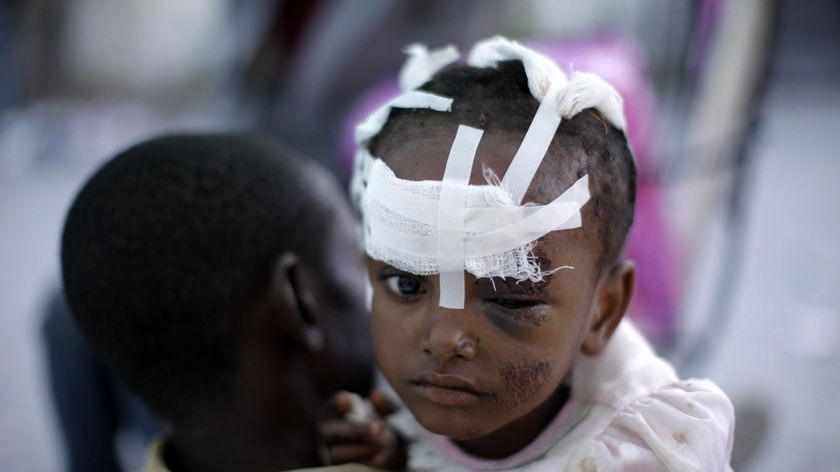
(403, 285)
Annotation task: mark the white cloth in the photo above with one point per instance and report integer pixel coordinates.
(628, 412)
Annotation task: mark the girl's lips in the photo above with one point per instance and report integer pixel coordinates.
(446, 389)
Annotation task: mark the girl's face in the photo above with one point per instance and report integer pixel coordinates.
(491, 370)
(487, 375)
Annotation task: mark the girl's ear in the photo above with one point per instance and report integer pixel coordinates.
(613, 296)
(294, 305)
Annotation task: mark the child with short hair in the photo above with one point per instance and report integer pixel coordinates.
(498, 286)
(219, 276)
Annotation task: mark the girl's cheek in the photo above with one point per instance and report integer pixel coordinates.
(524, 381)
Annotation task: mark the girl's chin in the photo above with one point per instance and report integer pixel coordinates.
(453, 429)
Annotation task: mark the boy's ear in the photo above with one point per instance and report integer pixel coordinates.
(294, 303)
(613, 297)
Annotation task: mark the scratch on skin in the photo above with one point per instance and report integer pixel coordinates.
(524, 380)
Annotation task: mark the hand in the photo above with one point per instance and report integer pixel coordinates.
(355, 431)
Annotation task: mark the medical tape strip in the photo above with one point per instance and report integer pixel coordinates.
(562, 213)
(534, 145)
(373, 125)
(450, 237)
(484, 235)
(413, 99)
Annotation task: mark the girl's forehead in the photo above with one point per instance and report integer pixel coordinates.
(422, 154)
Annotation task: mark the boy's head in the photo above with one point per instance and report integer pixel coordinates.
(532, 248)
(213, 271)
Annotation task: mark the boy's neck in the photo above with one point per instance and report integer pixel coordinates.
(515, 436)
(241, 449)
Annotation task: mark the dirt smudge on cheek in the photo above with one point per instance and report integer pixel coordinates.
(524, 380)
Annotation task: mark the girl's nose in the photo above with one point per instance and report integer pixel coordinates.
(449, 336)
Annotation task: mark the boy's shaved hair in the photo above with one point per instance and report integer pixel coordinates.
(498, 100)
(174, 237)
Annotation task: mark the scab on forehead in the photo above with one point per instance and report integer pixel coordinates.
(563, 164)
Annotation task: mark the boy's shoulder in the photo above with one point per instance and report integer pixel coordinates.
(154, 462)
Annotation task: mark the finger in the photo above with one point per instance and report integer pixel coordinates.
(346, 432)
(337, 405)
(381, 403)
(387, 457)
(392, 455)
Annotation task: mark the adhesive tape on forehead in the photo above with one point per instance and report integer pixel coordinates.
(497, 235)
(450, 216)
(398, 208)
(373, 124)
(448, 227)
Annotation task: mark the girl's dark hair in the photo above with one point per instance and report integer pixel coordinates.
(498, 100)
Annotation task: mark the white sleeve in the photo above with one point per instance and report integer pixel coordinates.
(685, 426)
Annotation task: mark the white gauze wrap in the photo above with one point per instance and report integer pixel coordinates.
(447, 227)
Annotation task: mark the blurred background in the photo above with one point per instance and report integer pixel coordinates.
(733, 107)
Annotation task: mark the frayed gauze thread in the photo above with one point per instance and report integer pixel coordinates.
(542, 72)
(422, 64)
(584, 90)
(404, 238)
(518, 263)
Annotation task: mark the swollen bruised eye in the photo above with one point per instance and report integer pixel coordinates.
(517, 317)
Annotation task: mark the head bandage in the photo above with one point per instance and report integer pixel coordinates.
(447, 227)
